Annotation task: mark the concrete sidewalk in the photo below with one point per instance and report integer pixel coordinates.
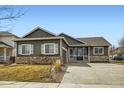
(13, 84)
(9, 84)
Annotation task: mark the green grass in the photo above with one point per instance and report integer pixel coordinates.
(24, 72)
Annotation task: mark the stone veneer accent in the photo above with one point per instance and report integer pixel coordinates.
(36, 60)
(99, 58)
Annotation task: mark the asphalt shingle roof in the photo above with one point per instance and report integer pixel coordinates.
(95, 41)
(6, 33)
(3, 44)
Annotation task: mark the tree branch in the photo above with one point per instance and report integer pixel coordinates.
(9, 13)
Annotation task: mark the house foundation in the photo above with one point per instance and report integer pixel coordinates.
(36, 60)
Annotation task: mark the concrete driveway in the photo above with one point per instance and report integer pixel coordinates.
(94, 74)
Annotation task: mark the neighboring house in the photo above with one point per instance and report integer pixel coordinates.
(117, 51)
(7, 46)
(40, 45)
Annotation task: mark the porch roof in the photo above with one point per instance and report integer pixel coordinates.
(3, 44)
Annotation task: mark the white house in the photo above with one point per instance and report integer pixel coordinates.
(7, 45)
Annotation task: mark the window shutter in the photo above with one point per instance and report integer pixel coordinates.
(19, 49)
(56, 48)
(32, 48)
(42, 49)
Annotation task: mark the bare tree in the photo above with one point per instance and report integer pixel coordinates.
(9, 13)
(112, 52)
(121, 42)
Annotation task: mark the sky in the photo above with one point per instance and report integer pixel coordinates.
(77, 21)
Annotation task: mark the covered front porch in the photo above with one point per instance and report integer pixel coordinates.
(79, 54)
(5, 52)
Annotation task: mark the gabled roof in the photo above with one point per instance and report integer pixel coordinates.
(6, 33)
(3, 44)
(95, 41)
(71, 40)
(40, 34)
(35, 29)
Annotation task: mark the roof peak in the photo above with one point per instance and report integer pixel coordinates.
(38, 27)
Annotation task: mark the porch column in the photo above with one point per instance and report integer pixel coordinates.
(4, 54)
(89, 54)
(83, 54)
(61, 48)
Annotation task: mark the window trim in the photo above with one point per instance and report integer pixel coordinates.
(45, 48)
(98, 51)
(29, 48)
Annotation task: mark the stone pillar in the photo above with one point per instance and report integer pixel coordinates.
(4, 54)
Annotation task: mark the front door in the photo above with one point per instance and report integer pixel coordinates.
(79, 54)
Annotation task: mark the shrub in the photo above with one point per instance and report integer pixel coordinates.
(57, 65)
(56, 71)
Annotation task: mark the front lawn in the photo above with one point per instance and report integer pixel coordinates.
(25, 73)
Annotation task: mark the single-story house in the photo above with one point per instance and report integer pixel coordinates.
(40, 45)
(7, 46)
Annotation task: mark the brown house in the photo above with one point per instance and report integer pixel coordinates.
(40, 46)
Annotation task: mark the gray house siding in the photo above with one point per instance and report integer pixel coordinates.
(64, 52)
(37, 57)
(99, 58)
(37, 47)
(64, 45)
(38, 33)
(105, 51)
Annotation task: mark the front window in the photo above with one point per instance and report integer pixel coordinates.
(50, 48)
(98, 50)
(26, 49)
(73, 52)
(80, 52)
